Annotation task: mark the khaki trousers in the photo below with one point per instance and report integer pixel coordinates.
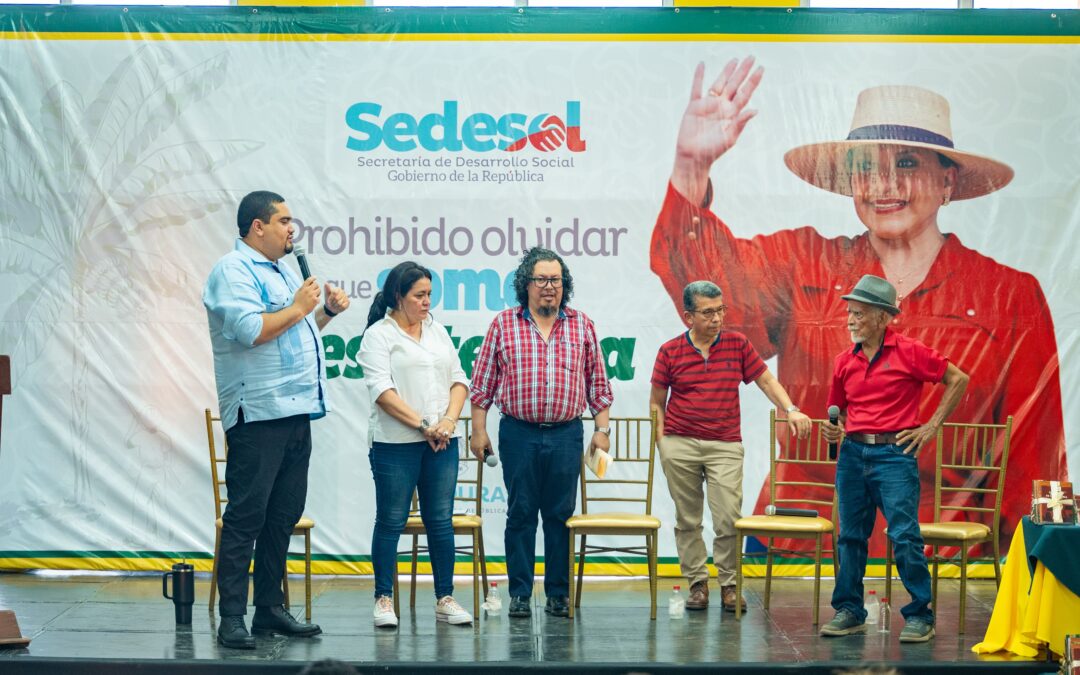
(688, 464)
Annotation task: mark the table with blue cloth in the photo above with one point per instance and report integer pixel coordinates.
(1038, 603)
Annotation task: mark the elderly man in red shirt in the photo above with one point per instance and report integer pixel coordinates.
(541, 364)
(877, 385)
(699, 435)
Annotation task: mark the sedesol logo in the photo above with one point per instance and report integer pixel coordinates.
(479, 132)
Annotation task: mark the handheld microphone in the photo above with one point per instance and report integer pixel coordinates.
(771, 510)
(301, 260)
(834, 418)
(489, 458)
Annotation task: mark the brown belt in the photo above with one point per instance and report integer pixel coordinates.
(882, 438)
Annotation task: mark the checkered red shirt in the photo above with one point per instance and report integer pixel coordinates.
(538, 381)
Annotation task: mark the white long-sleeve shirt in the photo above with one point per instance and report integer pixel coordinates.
(421, 371)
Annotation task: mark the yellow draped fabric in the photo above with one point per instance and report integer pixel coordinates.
(1023, 622)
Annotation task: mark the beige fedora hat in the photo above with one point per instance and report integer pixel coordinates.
(897, 115)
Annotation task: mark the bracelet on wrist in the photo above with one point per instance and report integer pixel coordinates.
(328, 311)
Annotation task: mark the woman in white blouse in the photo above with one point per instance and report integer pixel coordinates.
(417, 391)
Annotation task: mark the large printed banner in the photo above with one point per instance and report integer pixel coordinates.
(459, 139)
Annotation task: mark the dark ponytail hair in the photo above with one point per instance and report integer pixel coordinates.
(397, 285)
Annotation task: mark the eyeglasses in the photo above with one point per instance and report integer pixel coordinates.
(712, 312)
(554, 282)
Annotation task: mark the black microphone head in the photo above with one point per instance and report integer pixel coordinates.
(834, 413)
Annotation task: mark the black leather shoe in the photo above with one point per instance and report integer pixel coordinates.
(277, 620)
(233, 633)
(520, 606)
(558, 605)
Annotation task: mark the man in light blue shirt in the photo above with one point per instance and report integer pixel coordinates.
(268, 363)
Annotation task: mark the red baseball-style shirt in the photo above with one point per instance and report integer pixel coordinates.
(883, 394)
(704, 401)
(537, 381)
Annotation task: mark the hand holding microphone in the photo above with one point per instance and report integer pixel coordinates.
(834, 420)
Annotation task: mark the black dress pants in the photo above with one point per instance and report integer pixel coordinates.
(266, 481)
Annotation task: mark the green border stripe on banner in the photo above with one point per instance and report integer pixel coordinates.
(492, 24)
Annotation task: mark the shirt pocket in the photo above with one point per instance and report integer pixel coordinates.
(570, 356)
(288, 343)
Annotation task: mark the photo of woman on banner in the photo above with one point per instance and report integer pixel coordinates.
(900, 166)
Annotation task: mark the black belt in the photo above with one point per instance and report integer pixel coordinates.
(880, 438)
(543, 425)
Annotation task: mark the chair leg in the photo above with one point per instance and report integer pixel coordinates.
(285, 584)
(570, 577)
(580, 572)
(963, 583)
(650, 543)
(933, 585)
(477, 535)
(738, 573)
(888, 568)
(213, 570)
(768, 575)
(483, 560)
(307, 575)
(817, 577)
(397, 594)
(997, 561)
(412, 586)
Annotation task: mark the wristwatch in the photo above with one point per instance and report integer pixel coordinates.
(423, 425)
(792, 408)
(604, 430)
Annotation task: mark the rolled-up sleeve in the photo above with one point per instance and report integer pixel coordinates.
(598, 391)
(374, 358)
(485, 378)
(232, 296)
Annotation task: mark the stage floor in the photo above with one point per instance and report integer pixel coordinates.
(122, 616)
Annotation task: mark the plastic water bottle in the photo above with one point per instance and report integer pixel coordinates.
(676, 604)
(493, 603)
(872, 607)
(885, 617)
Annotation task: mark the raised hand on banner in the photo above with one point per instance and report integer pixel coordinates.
(712, 123)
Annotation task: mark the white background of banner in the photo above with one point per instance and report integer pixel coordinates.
(103, 441)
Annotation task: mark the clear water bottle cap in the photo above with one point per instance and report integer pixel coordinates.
(678, 587)
(884, 599)
(872, 592)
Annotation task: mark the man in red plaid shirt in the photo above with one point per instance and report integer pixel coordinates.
(541, 364)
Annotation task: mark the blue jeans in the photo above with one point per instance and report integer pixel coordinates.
(541, 467)
(398, 469)
(869, 477)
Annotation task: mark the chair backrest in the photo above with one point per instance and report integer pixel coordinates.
(630, 478)
(469, 496)
(975, 457)
(809, 475)
(215, 438)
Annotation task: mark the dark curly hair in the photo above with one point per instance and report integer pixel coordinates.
(397, 285)
(525, 272)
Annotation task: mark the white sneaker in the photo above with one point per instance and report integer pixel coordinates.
(447, 609)
(384, 612)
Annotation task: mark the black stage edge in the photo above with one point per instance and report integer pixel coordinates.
(42, 666)
(90, 624)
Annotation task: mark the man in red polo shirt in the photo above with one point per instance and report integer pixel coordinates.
(878, 385)
(699, 435)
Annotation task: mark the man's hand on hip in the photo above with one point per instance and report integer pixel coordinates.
(916, 438)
